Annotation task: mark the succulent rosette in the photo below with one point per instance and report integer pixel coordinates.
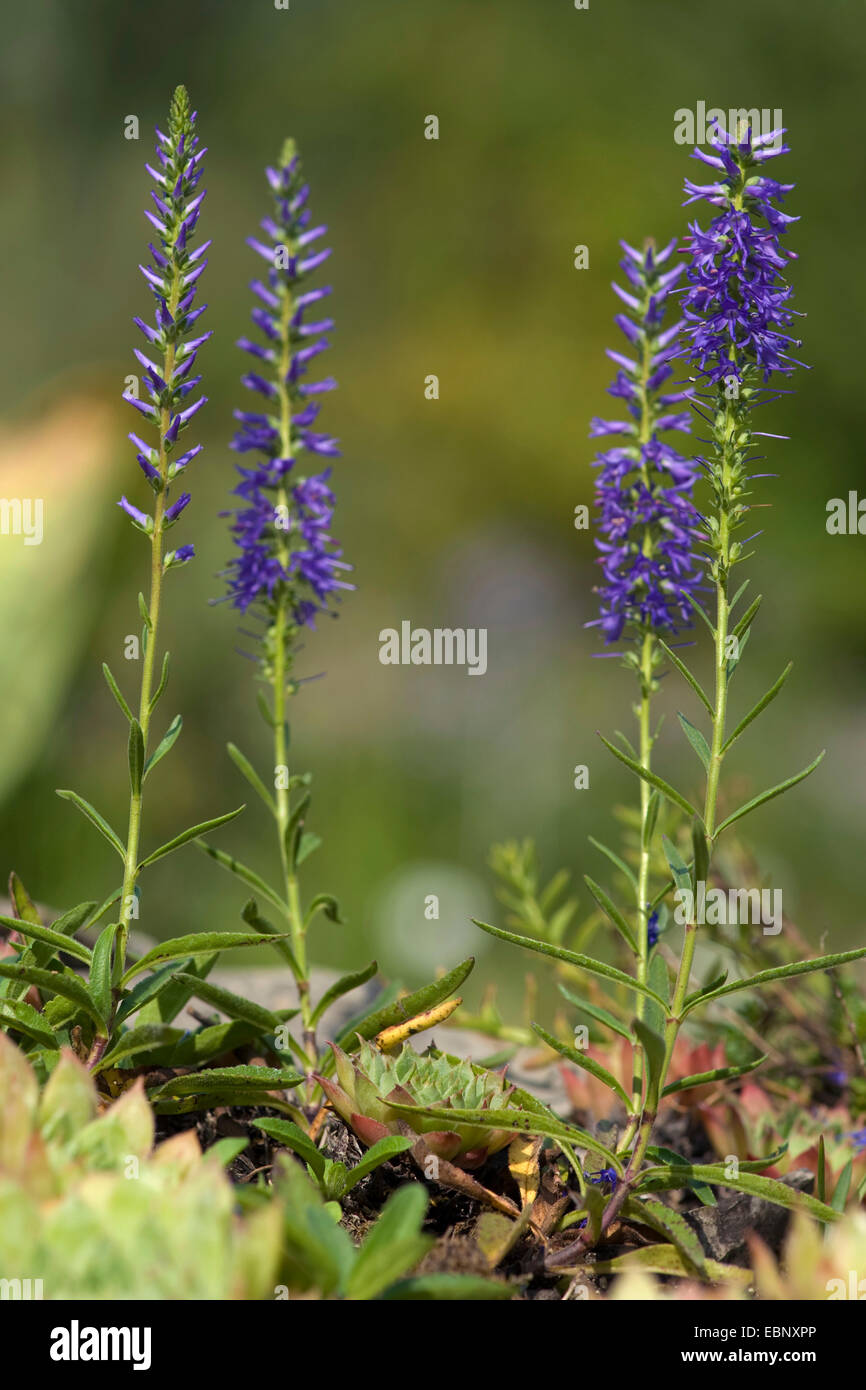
(370, 1082)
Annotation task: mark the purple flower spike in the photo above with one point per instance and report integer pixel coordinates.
(171, 346)
(736, 305)
(647, 519)
(288, 567)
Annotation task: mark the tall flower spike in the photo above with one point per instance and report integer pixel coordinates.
(643, 490)
(737, 316)
(288, 567)
(736, 306)
(173, 279)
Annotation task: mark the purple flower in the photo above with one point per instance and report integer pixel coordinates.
(736, 305)
(287, 558)
(652, 929)
(643, 491)
(171, 349)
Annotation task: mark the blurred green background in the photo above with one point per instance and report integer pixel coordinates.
(452, 257)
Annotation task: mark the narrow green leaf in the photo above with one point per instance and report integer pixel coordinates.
(138, 1040)
(687, 676)
(195, 944)
(21, 1017)
(696, 739)
(666, 1259)
(246, 768)
(165, 744)
(48, 936)
(67, 985)
(782, 972)
(100, 969)
(652, 814)
(596, 1012)
(672, 1224)
(163, 682)
(747, 619)
(769, 1188)
(95, 818)
(453, 1288)
(700, 854)
(580, 1059)
(703, 1078)
(394, 1245)
(146, 990)
(343, 986)
(145, 612)
(251, 915)
(840, 1192)
(406, 1007)
(381, 1152)
(115, 690)
(259, 1079)
(249, 876)
(611, 911)
(700, 612)
(653, 1046)
(615, 859)
(702, 1190)
(759, 707)
(654, 780)
(136, 756)
(291, 1136)
(327, 903)
(595, 967)
(194, 832)
(678, 866)
(307, 843)
(233, 1005)
(521, 1121)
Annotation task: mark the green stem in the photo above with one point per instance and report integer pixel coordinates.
(280, 675)
(133, 834)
